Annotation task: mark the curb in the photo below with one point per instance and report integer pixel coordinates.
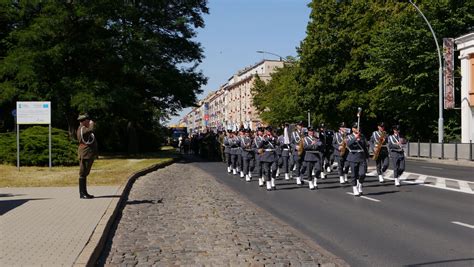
(92, 250)
(452, 162)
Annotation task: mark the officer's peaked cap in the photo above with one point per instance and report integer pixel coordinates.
(83, 116)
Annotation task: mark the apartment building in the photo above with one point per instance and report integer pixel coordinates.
(231, 105)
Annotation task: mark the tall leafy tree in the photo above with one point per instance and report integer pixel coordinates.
(123, 61)
(378, 55)
(277, 100)
(403, 64)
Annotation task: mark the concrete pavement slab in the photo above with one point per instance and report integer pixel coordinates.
(49, 226)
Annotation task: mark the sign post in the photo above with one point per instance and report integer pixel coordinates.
(32, 112)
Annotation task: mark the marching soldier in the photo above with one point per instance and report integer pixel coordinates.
(247, 155)
(313, 157)
(326, 137)
(297, 149)
(227, 139)
(240, 162)
(268, 150)
(340, 152)
(87, 152)
(284, 148)
(397, 154)
(234, 152)
(258, 156)
(378, 142)
(358, 154)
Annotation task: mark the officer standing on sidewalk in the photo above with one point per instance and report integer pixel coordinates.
(87, 152)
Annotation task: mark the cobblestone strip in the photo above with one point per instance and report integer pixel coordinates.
(180, 216)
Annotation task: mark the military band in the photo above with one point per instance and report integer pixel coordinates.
(308, 152)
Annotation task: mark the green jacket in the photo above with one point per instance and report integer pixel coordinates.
(87, 143)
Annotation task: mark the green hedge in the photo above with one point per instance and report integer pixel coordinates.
(34, 147)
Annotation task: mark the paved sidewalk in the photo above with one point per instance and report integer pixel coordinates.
(49, 226)
(181, 216)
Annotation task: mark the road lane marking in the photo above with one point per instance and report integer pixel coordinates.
(368, 198)
(464, 224)
(434, 168)
(444, 183)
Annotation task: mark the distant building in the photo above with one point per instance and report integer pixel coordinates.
(231, 105)
(465, 45)
(240, 108)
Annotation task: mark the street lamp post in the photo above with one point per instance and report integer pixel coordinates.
(440, 79)
(265, 52)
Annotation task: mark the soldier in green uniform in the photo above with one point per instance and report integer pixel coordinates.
(87, 152)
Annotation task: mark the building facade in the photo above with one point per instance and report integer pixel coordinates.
(465, 45)
(231, 106)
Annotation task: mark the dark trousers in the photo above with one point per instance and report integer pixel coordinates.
(269, 170)
(284, 163)
(316, 165)
(234, 160)
(358, 172)
(328, 159)
(342, 165)
(398, 161)
(382, 163)
(298, 162)
(228, 159)
(85, 166)
(248, 165)
(259, 167)
(240, 164)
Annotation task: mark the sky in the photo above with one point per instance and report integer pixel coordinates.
(235, 29)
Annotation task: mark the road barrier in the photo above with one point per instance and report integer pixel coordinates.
(430, 150)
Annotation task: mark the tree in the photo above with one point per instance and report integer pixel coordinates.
(380, 56)
(122, 61)
(277, 100)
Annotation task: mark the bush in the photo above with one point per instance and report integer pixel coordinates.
(34, 147)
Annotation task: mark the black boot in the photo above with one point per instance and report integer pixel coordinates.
(83, 190)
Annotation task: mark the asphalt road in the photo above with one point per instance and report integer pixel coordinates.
(460, 172)
(389, 226)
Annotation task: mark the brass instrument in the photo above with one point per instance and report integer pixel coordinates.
(379, 145)
(300, 146)
(342, 150)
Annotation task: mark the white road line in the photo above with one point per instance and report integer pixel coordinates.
(434, 168)
(464, 224)
(368, 198)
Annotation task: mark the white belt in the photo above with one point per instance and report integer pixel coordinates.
(269, 149)
(356, 151)
(286, 149)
